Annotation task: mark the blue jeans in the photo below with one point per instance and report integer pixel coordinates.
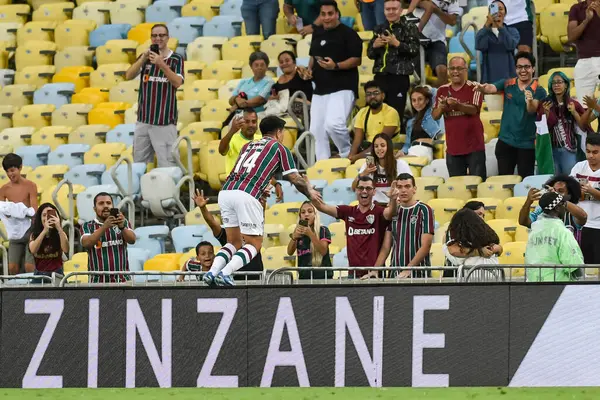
(372, 14)
(564, 160)
(257, 13)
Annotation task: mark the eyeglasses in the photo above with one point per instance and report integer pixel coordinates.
(558, 82)
(373, 94)
(458, 69)
(364, 188)
(158, 35)
(524, 67)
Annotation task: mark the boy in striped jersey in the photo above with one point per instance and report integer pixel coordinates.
(239, 201)
(410, 233)
(106, 239)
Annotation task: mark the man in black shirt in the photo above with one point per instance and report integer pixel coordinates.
(335, 54)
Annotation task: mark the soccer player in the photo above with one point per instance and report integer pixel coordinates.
(366, 223)
(239, 201)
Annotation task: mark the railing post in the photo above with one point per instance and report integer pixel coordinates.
(468, 51)
(127, 194)
(187, 172)
(70, 221)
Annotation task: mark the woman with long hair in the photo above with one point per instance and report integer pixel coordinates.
(311, 241)
(48, 241)
(421, 127)
(294, 79)
(564, 118)
(382, 167)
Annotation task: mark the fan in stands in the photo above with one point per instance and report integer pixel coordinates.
(241, 211)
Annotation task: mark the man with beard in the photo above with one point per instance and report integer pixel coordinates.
(243, 130)
(377, 117)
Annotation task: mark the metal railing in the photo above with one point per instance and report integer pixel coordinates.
(127, 194)
(305, 114)
(31, 280)
(306, 138)
(4, 250)
(188, 173)
(69, 222)
(472, 56)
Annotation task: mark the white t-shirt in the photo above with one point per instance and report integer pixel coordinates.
(382, 186)
(580, 171)
(516, 11)
(435, 30)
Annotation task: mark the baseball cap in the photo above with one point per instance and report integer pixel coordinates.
(549, 201)
(271, 124)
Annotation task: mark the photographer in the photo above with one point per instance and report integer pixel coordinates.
(48, 241)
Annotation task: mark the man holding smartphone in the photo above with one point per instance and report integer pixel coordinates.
(162, 73)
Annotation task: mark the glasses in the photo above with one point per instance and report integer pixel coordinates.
(457, 69)
(523, 67)
(372, 94)
(368, 189)
(158, 35)
(558, 82)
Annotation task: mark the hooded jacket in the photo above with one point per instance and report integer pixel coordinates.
(395, 60)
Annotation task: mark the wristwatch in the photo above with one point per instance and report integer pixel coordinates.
(337, 66)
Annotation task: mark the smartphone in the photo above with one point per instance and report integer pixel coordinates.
(50, 213)
(303, 222)
(387, 33)
(370, 160)
(299, 24)
(319, 58)
(154, 48)
(114, 212)
(494, 9)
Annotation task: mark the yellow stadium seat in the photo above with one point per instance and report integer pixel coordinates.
(36, 30)
(478, 15)
(16, 137)
(283, 213)
(352, 169)
(6, 113)
(206, 49)
(140, 33)
(237, 51)
(366, 37)
(92, 96)
(454, 190)
(46, 176)
(125, 92)
(111, 114)
(223, 70)
(8, 32)
(71, 115)
(35, 115)
(492, 206)
(77, 75)
(495, 190)
(36, 76)
(188, 111)
(34, 52)
(511, 207)
(205, 90)
(127, 12)
(204, 131)
(440, 233)
(491, 123)
(117, 52)
(272, 234)
(427, 187)
(104, 153)
(52, 136)
(194, 217)
(193, 70)
(15, 13)
(362, 79)
(505, 228)
(171, 44)
(79, 264)
(162, 264)
(63, 198)
(97, 11)
(505, 179)
(366, 67)
(275, 45)
(73, 33)
(469, 180)
(553, 26)
(444, 209)
(16, 95)
(215, 110)
(522, 234)
(55, 12)
(199, 8)
(131, 114)
(338, 234)
(277, 257)
(88, 134)
(514, 254)
(212, 164)
(348, 9)
(108, 75)
(4, 54)
(303, 47)
(330, 169)
(226, 90)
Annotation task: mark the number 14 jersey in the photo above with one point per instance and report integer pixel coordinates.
(257, 163)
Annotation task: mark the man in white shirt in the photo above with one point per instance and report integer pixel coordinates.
(588, 174)
(445, 12)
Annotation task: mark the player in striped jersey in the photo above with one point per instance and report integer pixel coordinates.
(105, 239)
(239, 200)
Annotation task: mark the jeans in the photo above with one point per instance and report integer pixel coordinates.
(372, 14)
(564, 160)
(257, 13)
(59, 271)
(473, 162)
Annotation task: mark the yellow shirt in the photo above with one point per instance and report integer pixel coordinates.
(235, 146)
(388, 116)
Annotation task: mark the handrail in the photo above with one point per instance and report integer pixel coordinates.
(4, 238)
(311, 158)
(305, 113)
(468, 51)
(127, 194)
(70, 221)
(188, 173)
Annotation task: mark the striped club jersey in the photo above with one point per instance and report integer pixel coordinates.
(157, 99)
(257, 163)
(407, 230)
(109, 254)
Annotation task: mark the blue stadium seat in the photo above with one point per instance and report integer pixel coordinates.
(340, 191)
(326, 220)
(186, 29)
(87, 175)
(101, 35)
(348, 21)
(68, 154)
(137, 257)
(163, 11)
(139, 168)
(454, 45)
(536, 181)
(340, 260)
(152, 246)
(231, 7)
(521, 189)
(122, 133)
(58, 94)
(123, 179)
(34, 156)
(228, 26)
(209, 237)
(158, 233)
(187, 237)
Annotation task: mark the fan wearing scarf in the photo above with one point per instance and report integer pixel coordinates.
(552, 243)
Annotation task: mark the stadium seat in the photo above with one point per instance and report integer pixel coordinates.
(160, 192)
(136, 258)
(57, 94)
(34, 52)
(205, 49)
(85, 200)
(89, 134)
(35, 115)
(508, 180)
(52, 136)
(77, 265)
(272, 235)
(17, 136)
(510, 208)
(72, 115)
(97, 11)
(141, 32)
(427, 187)
(521, 189)
(122, 174)
(109, 113)
(78, 75)
(226, 90)
(553, 26)
(492, 206)
(339, 191)
(338, 234)
(36, 76)
(15, 13)
(127, 12)
(6, 113)
(104, 153)
(62, 198)
(203, 9)
(228, 26)
(444, 209)
(67, 154)
(283, 213)
(514, 254)
(87, 175)
(536, 181)
(99, 36)
(493, 189)
(491, 123)
(203, 131)
(34, 156)
(188, 111)
(436, 168)
(36, 30)
(454, 190)
(205, 90)
(93, 96)
(330, 169)
(125, 92)
(212, 164)
(223, 70)
(53, 11)
(274, 45)
(117, 51)
(17, 95)
(185, 30)
(45, 176)
(108, 75)
(152, 247)
(122, 133)
(277, 257)
(73, 33)
(505, 228)
(239, 51)
(215, 110)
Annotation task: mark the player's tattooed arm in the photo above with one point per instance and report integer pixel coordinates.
(303, 186)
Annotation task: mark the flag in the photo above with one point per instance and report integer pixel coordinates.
(543, 148)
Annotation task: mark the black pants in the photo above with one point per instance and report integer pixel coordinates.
(589, 245)
(474, 163)
(510, 157)
(396, 88)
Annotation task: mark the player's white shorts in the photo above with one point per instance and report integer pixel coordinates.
(238, 208)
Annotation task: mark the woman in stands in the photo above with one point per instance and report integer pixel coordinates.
(255, 91)
(497, 43)
(311, 241)
(382, 167)
(292, 81)
(48, 241)
(421, 128)
(564, 117)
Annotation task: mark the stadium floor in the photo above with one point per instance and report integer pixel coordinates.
(302, 394)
